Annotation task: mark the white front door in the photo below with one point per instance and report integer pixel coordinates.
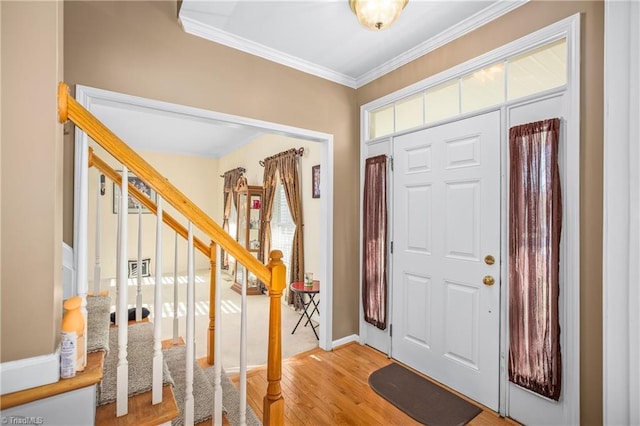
(446, 206)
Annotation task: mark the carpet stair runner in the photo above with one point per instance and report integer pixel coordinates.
(140, 358)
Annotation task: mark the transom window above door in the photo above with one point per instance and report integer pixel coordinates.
(525, 74)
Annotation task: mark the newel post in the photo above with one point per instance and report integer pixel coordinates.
(273, 407)
(212, 306)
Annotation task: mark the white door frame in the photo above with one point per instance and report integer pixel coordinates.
(570, 28)
(89, 96)
(621, 220)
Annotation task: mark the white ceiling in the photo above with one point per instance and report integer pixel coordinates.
(320, 37)
(324, 37)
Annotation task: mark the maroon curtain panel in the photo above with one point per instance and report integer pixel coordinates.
(535, 219)
(374, 241)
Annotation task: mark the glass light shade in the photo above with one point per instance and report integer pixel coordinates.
(377, 14)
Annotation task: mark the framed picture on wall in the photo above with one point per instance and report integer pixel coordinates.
(315, 181)
(133, 204)
(144, 266)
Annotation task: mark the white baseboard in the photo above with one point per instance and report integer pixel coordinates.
(345, 340)
(29, 372)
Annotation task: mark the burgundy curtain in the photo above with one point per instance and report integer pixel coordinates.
(535, 220)
(374, 242)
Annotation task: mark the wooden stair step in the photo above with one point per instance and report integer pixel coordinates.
(91, 375)
(141, 411)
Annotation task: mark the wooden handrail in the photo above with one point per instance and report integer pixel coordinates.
(70, 109)
(100, 164)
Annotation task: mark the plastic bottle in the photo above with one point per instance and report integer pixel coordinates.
(72, 337)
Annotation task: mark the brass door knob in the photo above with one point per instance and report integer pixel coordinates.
(489, 260)
(488, 280)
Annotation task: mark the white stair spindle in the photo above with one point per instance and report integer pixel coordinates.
(243, 349)
(175, 290)
(191, 308)
(122, 397)
(97, 269)
(217, 351)
(81, 237)
(157, 313)
(139, 266)
(118, 244)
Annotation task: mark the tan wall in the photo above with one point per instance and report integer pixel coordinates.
(139, 48)
(143, 51)
(523, 21)
(31, 179)
(265, 146)
(192, 175)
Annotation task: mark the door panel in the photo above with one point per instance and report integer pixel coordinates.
(446, 219)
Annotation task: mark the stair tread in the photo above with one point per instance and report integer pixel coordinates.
(141, 411)
(91, 375)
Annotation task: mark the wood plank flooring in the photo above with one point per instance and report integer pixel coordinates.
(331, 388)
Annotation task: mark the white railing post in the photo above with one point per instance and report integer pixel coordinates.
(157, 312)
(122, 401)
(217, 351)
(243, 348)
(139, 266)
(175, 290)
(118, 244)
(81, 232)
(97, 269)
(191, 309)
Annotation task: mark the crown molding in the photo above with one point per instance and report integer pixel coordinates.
(473, 22)
(197, 28)
(486, 15)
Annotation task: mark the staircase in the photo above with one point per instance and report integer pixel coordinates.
(100, 377)
(105, 337)
(146, 380)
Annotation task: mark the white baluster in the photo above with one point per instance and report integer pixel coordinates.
(81, 237)
(118, 244)
(191, 308)
(139, 266)
(97, 270)
(175, 290)
(217, 351)
(122, 401)
(243, 349)
(157, 313)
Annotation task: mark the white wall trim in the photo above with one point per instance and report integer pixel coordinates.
(207, 32)
(570, 28)
(68, 272)
(621, 221)
(28, 373)
(345, 340)
(88, 96)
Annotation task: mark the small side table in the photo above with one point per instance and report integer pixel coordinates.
(311, 291)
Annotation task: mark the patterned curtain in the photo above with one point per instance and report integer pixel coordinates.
(269, 191)
(535, 219)
(229, 196)
(374, 242)
(288, 167)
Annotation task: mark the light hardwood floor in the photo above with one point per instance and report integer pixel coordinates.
(331, 388)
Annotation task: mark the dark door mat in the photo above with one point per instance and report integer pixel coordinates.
(424, 401)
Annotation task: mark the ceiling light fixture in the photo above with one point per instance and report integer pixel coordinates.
(377, 14)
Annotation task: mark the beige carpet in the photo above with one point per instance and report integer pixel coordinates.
(257, 313)
(257, 329)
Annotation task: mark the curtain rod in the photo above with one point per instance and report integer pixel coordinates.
(299, 152)
(239, 169)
